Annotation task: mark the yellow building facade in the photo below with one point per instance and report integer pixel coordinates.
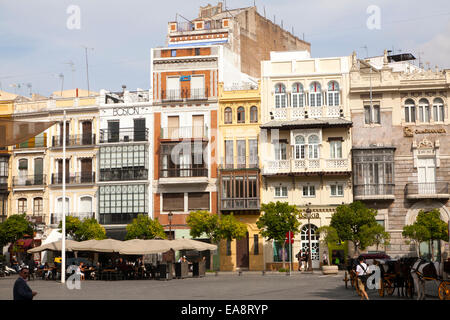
(6, 109)
(239, 178)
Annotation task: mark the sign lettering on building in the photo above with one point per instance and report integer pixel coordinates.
(185, 78)
(314, 215)
(131, 111)
(408, 132)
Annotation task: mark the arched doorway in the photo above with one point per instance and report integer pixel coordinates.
(315, 256)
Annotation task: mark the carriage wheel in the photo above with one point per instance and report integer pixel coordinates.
(389, 287)
(381, 290)
(444, 290)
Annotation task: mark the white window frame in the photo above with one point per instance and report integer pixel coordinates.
(336, 149)
(372, 114)
(279, 150)
(336, 190)
(424, 111)
(333, 95)
(298, 96)
(438, 110)
(280, 97)
(300, 149)
(309, 194)
(315, 98)
(282, 192)
(313, 148)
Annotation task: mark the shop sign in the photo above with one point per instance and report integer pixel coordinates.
(185, 78)
(131, 111)
(314, 215)
(408, 132)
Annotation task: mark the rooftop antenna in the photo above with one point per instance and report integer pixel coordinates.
(87, 66)
(420, 59)
(61, 76)
(29, 86)
(72, 65)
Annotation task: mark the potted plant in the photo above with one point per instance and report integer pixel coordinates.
(328, 235)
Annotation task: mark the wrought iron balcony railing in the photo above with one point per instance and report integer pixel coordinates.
(74, 140)
(123, 135)
(184, 172)
(30, 181)
(56, 218)
(239, 163)
(427, 190)
(177, 133)
(80, 178)
(240, 204)
(368, 191)
(123, 174)
(177, 95)
(36, 142)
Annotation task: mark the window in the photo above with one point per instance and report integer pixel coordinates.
(253, 114)
(313, 147)
(337, 190)
(372, 114)
(280, 96)
(229, 156)
(22, 206)
(253, 152)
(281, 192)
(173, 202)
(424, 110)
(309, 191)
(336, 149)
(438, 110)
(197, 51)
(373, 171)
(410, 111)
(333, 93)
(299, 147)
(198, 201)
(173, 53)
(197, 87)
(315, 95)
(38, 206)
(241, 153)
(228, 115)
(280, 151)
(298, 95)
(123, 201)
(3, 168)
(241, 115)
(113, 131)
(255, 244)
(3, 206)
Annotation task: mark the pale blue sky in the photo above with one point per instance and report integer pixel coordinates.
(35, 43)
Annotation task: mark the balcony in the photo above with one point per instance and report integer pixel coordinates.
(177, 133)
(36, 142)
(123, 135)
(118, 218)
(183, 95)
(179, 175)
(434, 190)
(239, 163)
(239, 204)
(56, 218)
(301, 112)
(374, 192)
(37, 219)
(30, 181)
(123, 174)
(3, 183)
(293, 166)
(73, 141)
(81, 178)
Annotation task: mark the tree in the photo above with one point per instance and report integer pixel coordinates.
(278, 219)
(380, 236)
(86, 229)
(417, 234)
(72, 225)
(14, 228)
(229, 228)
(329, 236)
(143, 227)
(354, 222)
(437, 229)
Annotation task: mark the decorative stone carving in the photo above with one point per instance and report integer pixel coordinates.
(425, 143)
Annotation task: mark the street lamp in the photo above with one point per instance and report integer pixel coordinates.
(308, 216)
(170, 215)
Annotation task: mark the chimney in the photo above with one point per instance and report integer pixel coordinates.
(123, 88)
(77, 93)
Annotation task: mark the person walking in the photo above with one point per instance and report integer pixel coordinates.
(299, 258)
(325, 258)
(307, 259)
(361, 272)
(21, 290)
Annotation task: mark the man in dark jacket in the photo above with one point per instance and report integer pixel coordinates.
(21, 289)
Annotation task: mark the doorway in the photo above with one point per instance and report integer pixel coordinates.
(426, 175)
(315, 257)
(242, 253)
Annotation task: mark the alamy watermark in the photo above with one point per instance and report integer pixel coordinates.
(74, 19)
(374, 20)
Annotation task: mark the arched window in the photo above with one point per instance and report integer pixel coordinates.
(228, 115)
(315, 241)
(438, 110)
(38, 207)
(313, 147)
(85, 210)
(241, 115)
(333, 93)
(297, 95)
(299, 147)
(22, 206)
(315, 94)
(424, 110)
(280, 96)
(253, 114)
(410, 111)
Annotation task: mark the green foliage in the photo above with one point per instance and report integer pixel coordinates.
(431, 220)
(278, 219)
(215, 228)
(143, 227)
(282, 270)
(87, 229)
(72, 225)
(378, 234)
(355, 222)
(416, 233)
(14, 228)
(328, 234)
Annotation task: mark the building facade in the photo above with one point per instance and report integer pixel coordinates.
(305, 142)
(124, 159)
(239, 174)
(6, 110)
(400, 143)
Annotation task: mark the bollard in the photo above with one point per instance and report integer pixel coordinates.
(240, 273)
(264, 273)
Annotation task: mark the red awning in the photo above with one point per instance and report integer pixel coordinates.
(24, 243)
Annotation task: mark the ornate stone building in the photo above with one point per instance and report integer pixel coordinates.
(401, 157)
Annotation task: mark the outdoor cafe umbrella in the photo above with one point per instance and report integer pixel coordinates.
(190, 244)
(141, 247)
(54, 246)
(105, 245)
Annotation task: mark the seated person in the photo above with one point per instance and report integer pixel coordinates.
(80, 271)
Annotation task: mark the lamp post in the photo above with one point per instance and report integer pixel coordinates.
(308, 216)
(170, 215)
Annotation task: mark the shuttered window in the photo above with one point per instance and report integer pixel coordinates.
(198, 201)
(173, 202)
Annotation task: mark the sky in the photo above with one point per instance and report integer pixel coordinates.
(37, 46)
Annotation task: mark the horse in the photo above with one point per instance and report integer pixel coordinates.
(422, 271)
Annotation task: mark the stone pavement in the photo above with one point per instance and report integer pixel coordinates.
(224, 286)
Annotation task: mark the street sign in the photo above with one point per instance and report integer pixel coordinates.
(289, 237)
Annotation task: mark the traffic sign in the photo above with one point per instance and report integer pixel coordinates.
(289, 236)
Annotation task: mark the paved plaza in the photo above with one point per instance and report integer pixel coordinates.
(224, 286)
